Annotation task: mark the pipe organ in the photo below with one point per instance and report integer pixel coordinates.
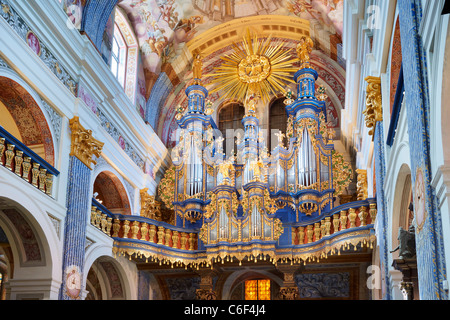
(253, 195)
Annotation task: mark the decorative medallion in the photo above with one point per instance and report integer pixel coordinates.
(33, 42)
(419, 200)
(73, 282)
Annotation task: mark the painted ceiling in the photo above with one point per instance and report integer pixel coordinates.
(169, 30)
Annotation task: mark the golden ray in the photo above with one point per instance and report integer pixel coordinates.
(256, 66)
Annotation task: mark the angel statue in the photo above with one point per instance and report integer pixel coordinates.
(280, 136)
(256, 166)
(225, 168)
(197, 67)
(304, 48)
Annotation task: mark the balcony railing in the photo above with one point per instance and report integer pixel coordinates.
(21, 160)
(144, 229)
(354, 216)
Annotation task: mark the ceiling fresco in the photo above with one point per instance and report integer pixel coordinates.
(167, 31)
(164, 26)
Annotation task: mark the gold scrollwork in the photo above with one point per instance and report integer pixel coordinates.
(373, 112)
(83, 145)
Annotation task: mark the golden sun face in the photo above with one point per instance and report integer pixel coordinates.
(256, 67)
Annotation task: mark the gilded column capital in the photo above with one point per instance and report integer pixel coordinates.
(374, 111)
(83, 145)
(361, 184)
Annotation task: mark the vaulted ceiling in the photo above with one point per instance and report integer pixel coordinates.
(169, 31)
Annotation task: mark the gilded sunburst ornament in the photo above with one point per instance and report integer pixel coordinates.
(256, 68)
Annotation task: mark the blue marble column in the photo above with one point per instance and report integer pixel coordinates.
(78, 205)
(429, 240)
(382, 221)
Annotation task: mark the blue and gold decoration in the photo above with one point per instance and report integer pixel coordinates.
(253, 205)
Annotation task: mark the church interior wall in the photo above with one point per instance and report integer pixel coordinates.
(136, 153)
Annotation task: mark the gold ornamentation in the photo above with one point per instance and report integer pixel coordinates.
(343, 218)
(197, 67)
(288, 293)
(336, 222)
(363, 216)
(9, 155)
(175, 237)
(160, 234)
(150, 208)
(361, 185)
(134, 229)
(304, 49)
(373, 112)
(321, 96)
(342, 173)
(103, 222)
(256, 166)
(26, 166)
(18, 160)
(191, 241)
(42, 179)
(309, 233)
(254, 67)
(35, 174)
(152, 233)
(83, 145)
(301, 235)
(116, 228)
(108, 225)
(166, 188)
(49, 184)
(352, 217)
(373, 212)
(205, 294)
(327, 226)
(126, 228)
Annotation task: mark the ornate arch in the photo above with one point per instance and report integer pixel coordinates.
(28, 117)
(239, 277)
(111, 192)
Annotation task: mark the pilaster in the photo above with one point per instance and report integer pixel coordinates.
(83, 148)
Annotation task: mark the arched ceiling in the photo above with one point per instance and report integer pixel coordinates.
(169, 31)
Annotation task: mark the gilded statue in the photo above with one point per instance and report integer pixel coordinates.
(197, 67)
(250, 102)
(225, 168)
(256, 166)
(304, 49)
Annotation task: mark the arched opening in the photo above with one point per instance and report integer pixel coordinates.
(26, 269)
(253, 285)
(277, 121)
(402, 218)
(24, 119)
(403, 214)
(124, 52)
(230, 123)
(104, 281)
(110, 192)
